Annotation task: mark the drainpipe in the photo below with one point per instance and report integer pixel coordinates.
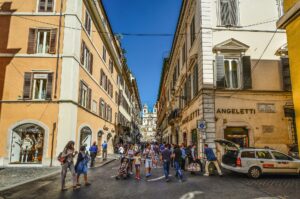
(52, 143)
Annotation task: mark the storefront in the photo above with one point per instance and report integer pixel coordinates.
(27, 144)
(238, 135)
(85, 137)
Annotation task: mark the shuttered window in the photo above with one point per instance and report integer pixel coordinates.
(220, 71)
(101, 108)
(192, 31)
(111, 65)
(246, 71)
(104, 53)
(42, 41)
(228, 12)
(86, 58)
(286, 76)
(231, 73)
(85, 95)
(38, 86)
(88, 23)
(195, 80)
(46, 5)
(183, 54)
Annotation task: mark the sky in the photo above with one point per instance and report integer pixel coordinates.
(145, 53)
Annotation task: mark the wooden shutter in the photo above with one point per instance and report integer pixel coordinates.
(50, 6)
(286, 76)
(247, 79)
(220, 71)
(27, 93)
(89, 99)
(82, 53)
(31, 48)
(80, 93)
(53, 34)
(91, 63)
(233, 12)
(49, 86)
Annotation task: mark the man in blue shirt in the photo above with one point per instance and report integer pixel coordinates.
(93, 153)
(104, 150)
(210, 156)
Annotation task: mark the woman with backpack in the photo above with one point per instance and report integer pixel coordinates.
(66, 158)
(81, 166)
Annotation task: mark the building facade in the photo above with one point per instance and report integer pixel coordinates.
(148, 127)
(216, 74)
(60, 66)
(290, 21)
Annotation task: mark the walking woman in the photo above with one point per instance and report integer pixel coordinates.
(81, 166)
(68, 155)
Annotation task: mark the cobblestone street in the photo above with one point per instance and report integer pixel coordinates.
(104, 185)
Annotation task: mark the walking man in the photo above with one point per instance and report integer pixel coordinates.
(149, 156)
(210, 156)
(166, 159)
(177, 160)
(104, 150)
(183, 156)
(93, 153)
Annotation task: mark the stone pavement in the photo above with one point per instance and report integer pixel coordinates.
(15, 176)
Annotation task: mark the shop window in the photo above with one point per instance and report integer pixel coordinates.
(27, 144)
(228, 12)
(85, 137)
(46, 5)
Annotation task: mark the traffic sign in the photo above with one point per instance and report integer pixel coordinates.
(201, 125)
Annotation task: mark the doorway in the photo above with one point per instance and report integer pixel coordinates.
(237, 135)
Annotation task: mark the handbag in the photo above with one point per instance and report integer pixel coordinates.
(194, 167)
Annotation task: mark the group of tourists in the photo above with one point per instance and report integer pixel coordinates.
(132, 157)
(66, 158)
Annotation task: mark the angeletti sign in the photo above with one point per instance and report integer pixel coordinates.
(240, 111)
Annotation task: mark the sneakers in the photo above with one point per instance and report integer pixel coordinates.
(206, 174)
(148, 175)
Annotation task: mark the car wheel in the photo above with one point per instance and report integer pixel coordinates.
(254, 172)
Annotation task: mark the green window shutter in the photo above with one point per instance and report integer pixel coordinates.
(220, 71)
(247, 79)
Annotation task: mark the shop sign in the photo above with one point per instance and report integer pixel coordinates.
(192, 116)
(241, 111)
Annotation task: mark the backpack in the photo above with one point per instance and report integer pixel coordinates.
(61, 159)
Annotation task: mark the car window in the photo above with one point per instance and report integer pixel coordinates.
(263, 155)
(280, 156)
(248, 154)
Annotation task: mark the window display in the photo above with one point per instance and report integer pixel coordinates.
(27, 144)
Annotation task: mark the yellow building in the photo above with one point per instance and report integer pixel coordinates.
(290, 21)
(59, 79)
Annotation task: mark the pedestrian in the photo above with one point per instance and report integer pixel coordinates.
(130, 154)
(183, 156)
(149, 156)
(172, 158)
(104, 150)
(156, 155)
(81, 166)
(121, 152)
(210, 156)
(66, 158)
(137, 164)
(166, 159)
(93, 153)
(177, 160)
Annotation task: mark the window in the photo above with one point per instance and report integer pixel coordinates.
(231, 73)
(104, 53)
(37, 86)
(86, 58)
(88, 23)
(263, 155)
(46, 5)
(183, 54)
(192, 31)
(248, 154)
(94, 106)
(111, 66)
(195, 80)
(280, 156)
(41, 41)
(101, 108)
(85, 94)
(116, 97)
(228, 12)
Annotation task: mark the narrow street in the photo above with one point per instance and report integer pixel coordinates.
(104, 185)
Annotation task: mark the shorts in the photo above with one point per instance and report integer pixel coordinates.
(148, 163)
(137, 166)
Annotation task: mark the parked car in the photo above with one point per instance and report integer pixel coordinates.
(294, 152)
(256, 161)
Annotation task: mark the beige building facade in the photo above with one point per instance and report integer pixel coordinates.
(227, 76)
(60, 64)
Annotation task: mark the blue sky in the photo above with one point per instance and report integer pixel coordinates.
(145, 53)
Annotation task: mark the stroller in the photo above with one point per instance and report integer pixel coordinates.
(123, 172)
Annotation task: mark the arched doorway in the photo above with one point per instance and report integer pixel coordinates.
(85, 137)
(27, 144)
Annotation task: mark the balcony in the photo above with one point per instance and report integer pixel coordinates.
(174, 117)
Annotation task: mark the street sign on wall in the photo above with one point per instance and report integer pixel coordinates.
(201, 125)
